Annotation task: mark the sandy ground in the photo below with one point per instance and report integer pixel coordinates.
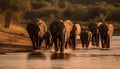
(14, 43)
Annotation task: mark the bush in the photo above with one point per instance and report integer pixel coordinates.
(40, 5)
(44, 13)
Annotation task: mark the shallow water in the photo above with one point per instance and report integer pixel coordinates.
(77, 59)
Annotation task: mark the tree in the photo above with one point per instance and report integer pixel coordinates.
(13, 6)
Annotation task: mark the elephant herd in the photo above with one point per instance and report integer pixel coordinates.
(62, 34)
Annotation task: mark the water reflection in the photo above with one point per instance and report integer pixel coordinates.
(36, 55)
(60, 56)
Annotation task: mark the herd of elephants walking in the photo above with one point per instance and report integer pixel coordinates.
(62, 34)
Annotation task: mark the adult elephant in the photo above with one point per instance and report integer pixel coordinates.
(68, 27)
(93, 27)
(106, 31)
(75, 31)
(57, 30)
(33, 31)
(37, 31)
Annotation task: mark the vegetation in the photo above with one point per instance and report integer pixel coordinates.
(76, 10)
(10, 7)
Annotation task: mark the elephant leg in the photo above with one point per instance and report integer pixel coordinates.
(102, 42)
(93, 43)
(83, 45)
(108, 42)
(62, 46)
(74, 45)
(56, 44)
(33, 42)
(87, 44)
(97, 40)
(46, 44)
(37, 40)
(66, 43)
(70, 44)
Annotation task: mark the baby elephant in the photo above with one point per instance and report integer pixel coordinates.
(85, 37)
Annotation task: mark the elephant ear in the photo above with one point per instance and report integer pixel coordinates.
(43, 28)
(99, 23)
(68, 26)
(68, 23)
(90, 34)
(111, 29)
(78, 29)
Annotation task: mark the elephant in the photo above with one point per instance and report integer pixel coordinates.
(75, 31)
(47, 38)
(57, 30)
(93, 27)
(37, 31)
(33, 31)
(85, 37)
(106, 31)
(68, 26)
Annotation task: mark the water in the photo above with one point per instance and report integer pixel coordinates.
(77, 59)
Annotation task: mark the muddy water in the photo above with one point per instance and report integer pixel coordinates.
(93, 58)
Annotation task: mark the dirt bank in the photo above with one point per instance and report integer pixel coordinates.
(14, 43)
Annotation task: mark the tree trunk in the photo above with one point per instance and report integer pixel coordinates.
(8, 17)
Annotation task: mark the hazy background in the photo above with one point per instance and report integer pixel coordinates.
(79, 11)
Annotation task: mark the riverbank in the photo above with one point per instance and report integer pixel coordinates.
(15, 39)
(14, 43)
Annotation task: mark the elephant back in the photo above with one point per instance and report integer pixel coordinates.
(32, 27)
(103, 29)
(84, 36)
(93, 28)
(56, 27)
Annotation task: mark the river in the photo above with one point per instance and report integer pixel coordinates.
(92, 58)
